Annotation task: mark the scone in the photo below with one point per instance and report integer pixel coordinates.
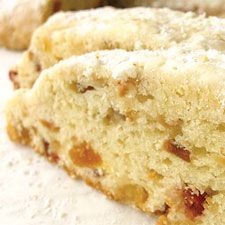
(210, 7)
(67, 34)
(19, 18)
(147, 128)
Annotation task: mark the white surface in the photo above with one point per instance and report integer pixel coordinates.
(34, 192)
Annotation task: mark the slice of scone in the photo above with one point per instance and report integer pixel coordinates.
(19, 18)
(147, 128)
(210, 7)
(67, 34)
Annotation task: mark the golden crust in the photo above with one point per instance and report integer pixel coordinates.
(211, 8)
(16, 30)
(108, 28)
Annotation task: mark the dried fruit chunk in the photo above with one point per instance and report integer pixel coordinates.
(22, 136)
(179, 151)
(84, 156)
(79, 88)
(38, 67)
(165, 211)
(12, 76)
(163, 220)
(154, 175)
(143, 98)
(113, 117)
(125, 86)
(49, 125)
(132, 193)
(52, 156)
(85, 89)
(193, 202)
(131, 115)
(13, 133)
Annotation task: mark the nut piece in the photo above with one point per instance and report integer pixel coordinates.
(179, 151)
(193, 202)
(84, 156)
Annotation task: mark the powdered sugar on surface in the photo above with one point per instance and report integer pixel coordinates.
(34, 192)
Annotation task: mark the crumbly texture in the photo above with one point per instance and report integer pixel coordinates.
(215, 7)
(145, 127)
(20, 18)
(67, 34)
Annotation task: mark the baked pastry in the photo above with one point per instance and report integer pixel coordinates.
(147, 128)
(216, 7)
(19, 18)
(67, 34)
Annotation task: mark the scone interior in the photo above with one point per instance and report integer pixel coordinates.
(146, 128)
(76, 33)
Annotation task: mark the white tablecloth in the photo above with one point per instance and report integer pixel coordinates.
(34, 192)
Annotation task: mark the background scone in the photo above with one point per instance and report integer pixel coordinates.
(210, 7)
(147, 128)
(19, 18)
(75, 33)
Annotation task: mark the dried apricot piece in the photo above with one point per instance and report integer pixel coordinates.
(38, 67)
(165, 211)
(163, 220)
(12, 74)
(49, 125)
(154, 175)
(125, 86)
(51, 156)
(177, 150)
(13, 77)
(84, 156)
(132, 193)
